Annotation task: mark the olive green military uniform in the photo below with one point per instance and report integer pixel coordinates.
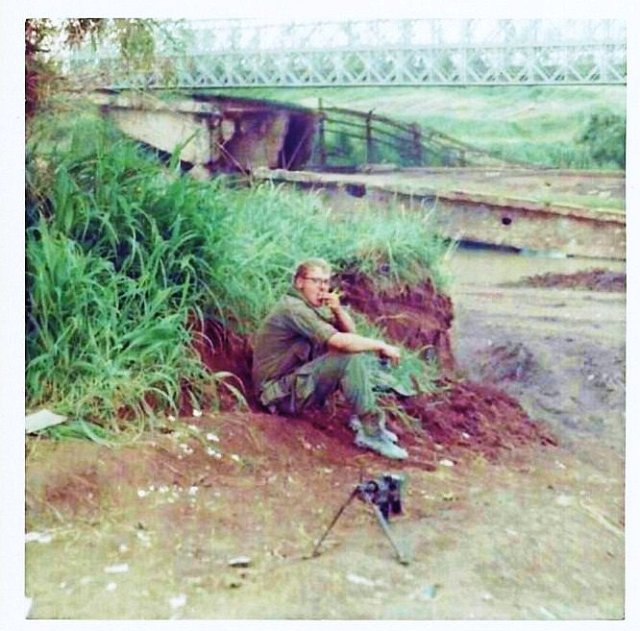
(293, 367)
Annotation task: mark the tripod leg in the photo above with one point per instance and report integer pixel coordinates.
(333, 521)
(383, 523)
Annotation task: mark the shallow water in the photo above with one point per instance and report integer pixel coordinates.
(488, 266)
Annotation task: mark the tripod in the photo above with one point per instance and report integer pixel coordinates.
(383, 496)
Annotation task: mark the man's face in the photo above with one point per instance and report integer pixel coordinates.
(314, 285)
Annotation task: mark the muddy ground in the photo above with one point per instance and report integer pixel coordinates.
(216, 516)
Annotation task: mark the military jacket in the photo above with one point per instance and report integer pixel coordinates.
(293, 334)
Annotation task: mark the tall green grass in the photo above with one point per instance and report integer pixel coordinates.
(123, 253)
(271, 228)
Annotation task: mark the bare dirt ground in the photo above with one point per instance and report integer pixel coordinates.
(523, 523)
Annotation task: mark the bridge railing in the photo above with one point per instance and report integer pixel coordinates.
(348, 138)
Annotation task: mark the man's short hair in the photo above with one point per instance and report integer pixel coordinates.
(304, 266)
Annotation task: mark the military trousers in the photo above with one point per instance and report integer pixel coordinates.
(313, 383)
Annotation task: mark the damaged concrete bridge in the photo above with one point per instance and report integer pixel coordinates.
(522, 209)
(470, 194)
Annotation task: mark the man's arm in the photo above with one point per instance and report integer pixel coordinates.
(354, 343)
(342, 320)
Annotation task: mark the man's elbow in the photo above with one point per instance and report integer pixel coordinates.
(339, 342)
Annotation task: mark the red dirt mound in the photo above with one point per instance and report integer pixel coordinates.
(222, 351)
(462, 418)
(470, 417)
(417, 317)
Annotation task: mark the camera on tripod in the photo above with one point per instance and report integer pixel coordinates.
(384, 495)
(385, 492)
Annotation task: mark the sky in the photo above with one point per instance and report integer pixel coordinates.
(12, 15)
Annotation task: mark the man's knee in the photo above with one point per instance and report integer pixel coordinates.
(350, 364)
(358, 361)
(335, 370)
(356, 372)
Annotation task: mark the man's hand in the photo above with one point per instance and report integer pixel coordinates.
(390, 352)
(332, 300)
(342, 320)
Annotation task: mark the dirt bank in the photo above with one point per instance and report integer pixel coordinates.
(418, 317)
(463, 417)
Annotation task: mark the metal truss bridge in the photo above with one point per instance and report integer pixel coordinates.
(439, 52)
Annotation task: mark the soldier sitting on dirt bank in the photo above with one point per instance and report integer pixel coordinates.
(307, 348)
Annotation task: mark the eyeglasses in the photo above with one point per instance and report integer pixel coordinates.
(318, 281)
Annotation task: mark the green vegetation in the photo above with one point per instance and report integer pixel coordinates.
(124, 255)
(605, 137)
(137, 40)
(537, 124)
